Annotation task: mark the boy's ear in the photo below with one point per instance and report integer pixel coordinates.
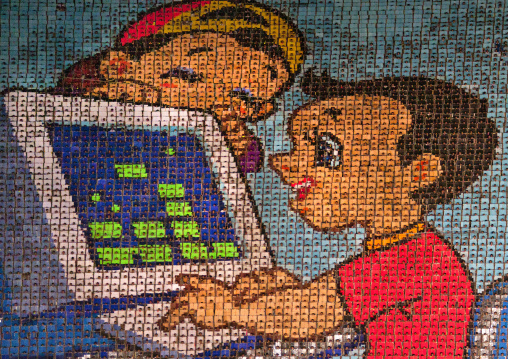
(423, 171)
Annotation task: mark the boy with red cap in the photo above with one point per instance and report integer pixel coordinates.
(228, 58)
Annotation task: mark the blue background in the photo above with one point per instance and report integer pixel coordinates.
(353, 40)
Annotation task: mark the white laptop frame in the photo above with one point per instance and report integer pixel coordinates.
(30, 112)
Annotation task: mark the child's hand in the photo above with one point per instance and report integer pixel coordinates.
(232, 123)
(206, 301)
(258, 304)
(210, 303)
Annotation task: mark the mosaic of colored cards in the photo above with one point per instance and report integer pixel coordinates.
(252, 179)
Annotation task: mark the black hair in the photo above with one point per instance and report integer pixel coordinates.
(448, 122)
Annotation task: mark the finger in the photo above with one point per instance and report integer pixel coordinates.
(242, 287)
(187, 280)
(201, 289)
(194, 281)
(180, 308)
(211, 285)
(237, 108)
(281, 280)
(174, 317)
(230, 122)
(235, 103)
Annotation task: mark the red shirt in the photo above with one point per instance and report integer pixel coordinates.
(414, 299)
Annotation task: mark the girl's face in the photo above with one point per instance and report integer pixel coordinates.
(346, 169)
(195, 71)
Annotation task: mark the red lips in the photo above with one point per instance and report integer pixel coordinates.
(304, 187)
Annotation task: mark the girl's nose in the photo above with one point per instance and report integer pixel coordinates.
(285, 165)
(280, 163)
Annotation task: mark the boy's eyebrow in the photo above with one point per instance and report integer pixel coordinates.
(198, 50)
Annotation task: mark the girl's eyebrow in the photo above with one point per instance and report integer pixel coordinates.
(198, 50)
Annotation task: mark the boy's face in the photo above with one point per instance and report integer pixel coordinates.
(346, 169)
(199, 71)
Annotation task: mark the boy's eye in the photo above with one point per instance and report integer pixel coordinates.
(328, 150)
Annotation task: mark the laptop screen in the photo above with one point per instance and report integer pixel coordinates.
(144, 198)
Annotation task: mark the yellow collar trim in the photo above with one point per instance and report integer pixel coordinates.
(385, 241)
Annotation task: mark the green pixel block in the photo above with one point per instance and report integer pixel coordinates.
(224, 250)
(105, 230)
(125, 256)
(194, 251)
(149, 229)
(131, 171)
(96, 197)
(178, 209)
(116, 255)
(115, 208)
(185, 229)
(161, 253)
(200, 251)
(171, 190)
(170, 151)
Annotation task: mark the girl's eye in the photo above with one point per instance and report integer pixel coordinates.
(328, 150)
(183, 73)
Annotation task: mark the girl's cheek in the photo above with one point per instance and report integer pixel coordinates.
(169, 85)
(119, 66)
(123, 66)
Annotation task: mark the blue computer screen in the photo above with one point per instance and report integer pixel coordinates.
(143, 197)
